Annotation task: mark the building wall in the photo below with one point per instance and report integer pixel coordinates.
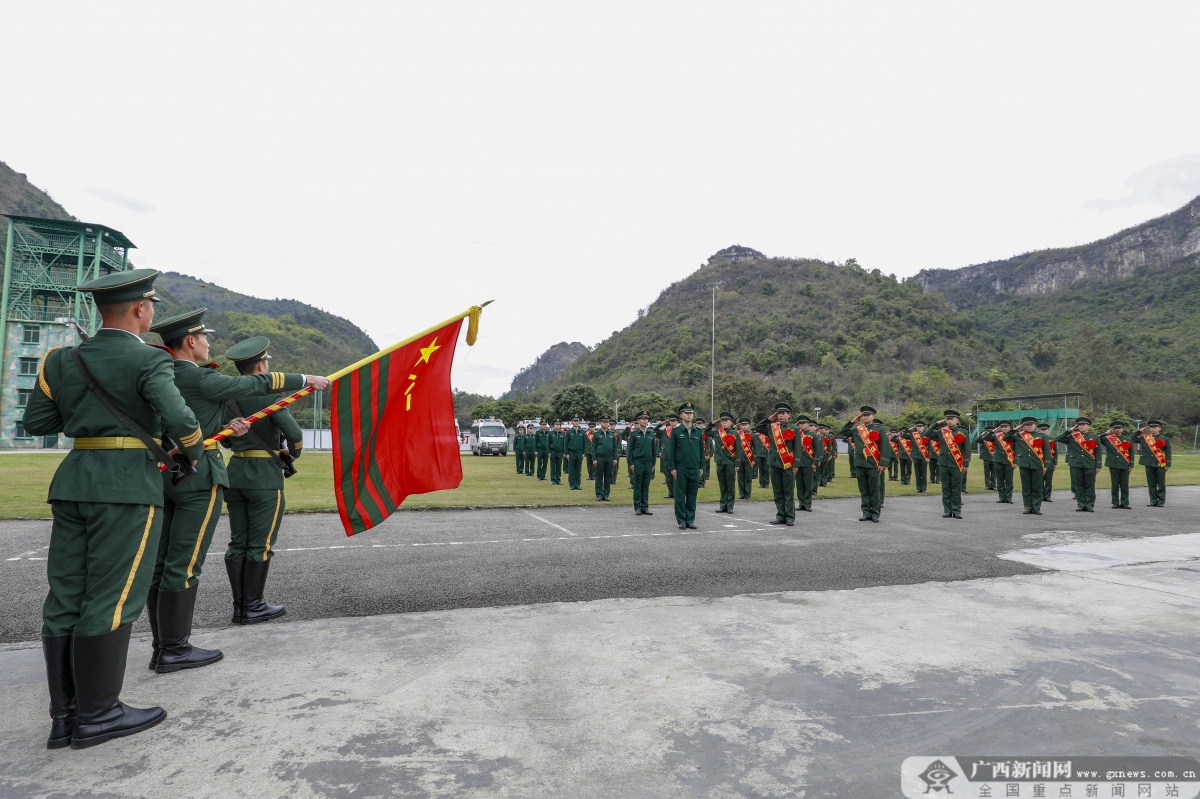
(12, 381)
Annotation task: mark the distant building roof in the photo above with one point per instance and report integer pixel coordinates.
(112, 235)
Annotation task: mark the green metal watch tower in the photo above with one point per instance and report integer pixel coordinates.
(44, 260)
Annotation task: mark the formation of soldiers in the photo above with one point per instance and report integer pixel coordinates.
(128, 535)
(795, 458)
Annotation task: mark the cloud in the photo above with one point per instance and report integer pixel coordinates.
(1169, 183)
(122, 200)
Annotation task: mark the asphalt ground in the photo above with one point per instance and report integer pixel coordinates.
(591, 653)
(442, 560)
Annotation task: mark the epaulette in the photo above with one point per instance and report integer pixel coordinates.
(165, 349)
(210, 365)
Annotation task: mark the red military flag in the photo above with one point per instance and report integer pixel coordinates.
(393, 426)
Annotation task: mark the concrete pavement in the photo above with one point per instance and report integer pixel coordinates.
(764, 694)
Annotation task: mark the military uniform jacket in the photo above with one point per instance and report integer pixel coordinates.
(664, 433)
(541, 441)
(1147, 458)
(685, 448)
(878, 434)
(576, 441)
(717, 438)
(1085, 456)
(980, 443)
(139, 379)
(558, 442)
(745, 440)
(605, 445)
(916, 446)
(262, 472)
(643, 445)
(205, 390)
(945, 457)
(818, 448)
(790, 434)
(1026, 457)
(1118, 460)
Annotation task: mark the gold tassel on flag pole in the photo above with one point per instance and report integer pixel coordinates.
(472, 331)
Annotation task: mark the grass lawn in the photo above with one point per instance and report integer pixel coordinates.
(487, 480)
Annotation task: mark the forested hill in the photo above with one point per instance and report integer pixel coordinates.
(825, 334)
(19, 197)
(1141, 252)
(303, 338)
(549, 365)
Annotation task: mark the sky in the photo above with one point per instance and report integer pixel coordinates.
(397, 162)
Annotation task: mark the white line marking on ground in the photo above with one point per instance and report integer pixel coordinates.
(552, 524)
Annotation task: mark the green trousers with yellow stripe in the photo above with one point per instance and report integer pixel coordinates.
(99, 566)
(189, 521)
(255, 515)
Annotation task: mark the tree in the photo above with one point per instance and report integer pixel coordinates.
(928, 385)
(505, 410)
(653, 403)
(464, 406)
(577, 399)
(1044, 355)
(692, 373)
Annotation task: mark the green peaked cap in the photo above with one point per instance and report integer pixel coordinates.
(132, 284)
(185, 324)
(251, 349)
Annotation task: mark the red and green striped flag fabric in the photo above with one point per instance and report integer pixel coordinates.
(393, 429)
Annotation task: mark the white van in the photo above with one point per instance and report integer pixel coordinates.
(488, 437)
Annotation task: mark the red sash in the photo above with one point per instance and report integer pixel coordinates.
(747, 448)
(904, 442)
(1008, 451)
(991, 447)
(727, 443)
(781, 446)
(870, 448)
(1053, 447)
(921, 446)
(807, 443)
(1082, 442)
(952, 448)
(1116, 442)
(1158, 454)
(1027, 437)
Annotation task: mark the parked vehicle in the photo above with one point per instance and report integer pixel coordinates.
(488, 437)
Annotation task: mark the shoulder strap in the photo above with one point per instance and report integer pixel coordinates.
(176, 467)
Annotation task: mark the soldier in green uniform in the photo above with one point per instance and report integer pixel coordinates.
(541, 447)
(664, 434)
(904, 449)
(831, 450)
(255, 495)
(685, 459)
(192, 509)
(1004, 461)
(986, 447)
(954, 457)
(760, 459)
(920, 456)
(709, 443)
(871, 458)
(518, 447)
(530, 451)
(642, 452)
(893, 438)
(590, 461)
(1156, 457)
(604, 454)
(1051, 463)
(810, 454)
(558, 451)
(576, 448)
(1118, 457)
(724, 438)
(1031, 449)
(781, 460)
(935, 459)
(106, 498)
(745, 458)
(1081, 458)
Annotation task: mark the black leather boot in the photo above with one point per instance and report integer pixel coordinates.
(152, 614)
(98, 663)
(234, 568)
(255, 581)
(63, 707)
(175, 610)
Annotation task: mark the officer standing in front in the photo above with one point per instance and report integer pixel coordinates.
(643, 448)
(871, 456)
(193, 508)
(106, 498)
(576, 448)
(1083, 462)
(685, 459)
(1118, 457)
(781, 460)
(255, 495)
(954, 457)
(1156, 457)
(604, 454)
(1031, 450)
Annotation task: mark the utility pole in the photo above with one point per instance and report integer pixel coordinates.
(712, 374)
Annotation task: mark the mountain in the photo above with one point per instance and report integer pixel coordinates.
(1146, 249)
(820, 333)
(303, 338)
(549, 365)
(19, 197)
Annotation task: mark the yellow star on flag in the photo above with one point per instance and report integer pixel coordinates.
(427, 351)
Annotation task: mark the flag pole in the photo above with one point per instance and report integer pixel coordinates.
(472, 312)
